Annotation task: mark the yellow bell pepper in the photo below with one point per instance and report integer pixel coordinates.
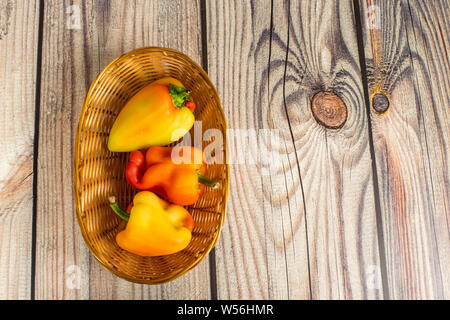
(154, 227)
(157, 115)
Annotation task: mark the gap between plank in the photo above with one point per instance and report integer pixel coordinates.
(379, 218)
(204, 41)
(37, 108)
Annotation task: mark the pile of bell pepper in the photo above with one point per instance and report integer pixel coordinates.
(168, 178)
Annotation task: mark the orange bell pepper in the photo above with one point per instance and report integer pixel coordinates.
(179, 178)
(157, 115)
(154, 226)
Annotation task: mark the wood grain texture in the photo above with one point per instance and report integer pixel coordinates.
(407, 50)
(308, 228)
(18, 52)
(71, 60)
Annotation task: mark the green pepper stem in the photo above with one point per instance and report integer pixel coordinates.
(207, 182)
(122, 214)
(179, 95)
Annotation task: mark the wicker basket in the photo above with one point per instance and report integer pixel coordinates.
(99, 173)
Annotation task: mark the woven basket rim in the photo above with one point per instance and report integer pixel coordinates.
(77, 153)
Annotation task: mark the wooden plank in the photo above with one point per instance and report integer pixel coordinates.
(262, 250)
(406, 47)
(19, 23)
(308, 229)
(71, 60)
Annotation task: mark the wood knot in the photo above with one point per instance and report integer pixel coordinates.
(329, 110)
(380, 102)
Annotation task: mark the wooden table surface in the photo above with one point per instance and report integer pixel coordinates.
(357, 212)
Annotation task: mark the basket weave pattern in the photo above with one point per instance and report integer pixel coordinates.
(99, 173)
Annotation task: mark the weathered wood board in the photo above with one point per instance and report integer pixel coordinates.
(18, 54)
(349, 201)
(406, 46)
